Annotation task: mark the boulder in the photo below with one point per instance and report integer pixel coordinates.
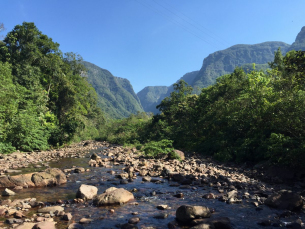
(285, 200)
(187, 213)
(113, 196)
(49, 177)
(24, 180)
(180, 154)
(86, 192)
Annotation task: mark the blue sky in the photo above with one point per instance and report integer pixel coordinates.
(155, 42)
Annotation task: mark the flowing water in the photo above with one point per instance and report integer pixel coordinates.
(148, 196)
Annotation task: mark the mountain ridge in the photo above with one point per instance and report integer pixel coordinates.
(224, 62)
(116, 96)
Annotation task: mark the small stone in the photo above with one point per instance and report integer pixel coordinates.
(75, 226)
(67, 217)
(161, 216)
(85, 221)
(8, 192)
(179, 195)
(111, 211)
(162, 207)
(134, 220)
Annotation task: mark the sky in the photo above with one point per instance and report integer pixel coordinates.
(155, 42)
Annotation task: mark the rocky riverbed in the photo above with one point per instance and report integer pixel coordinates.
(110, 186)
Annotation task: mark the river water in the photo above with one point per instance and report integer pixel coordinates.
(243, 215)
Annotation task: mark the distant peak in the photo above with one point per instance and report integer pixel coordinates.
(301, 36)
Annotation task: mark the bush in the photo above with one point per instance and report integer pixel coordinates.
(159, 148)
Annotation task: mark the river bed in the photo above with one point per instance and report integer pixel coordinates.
(148, 195)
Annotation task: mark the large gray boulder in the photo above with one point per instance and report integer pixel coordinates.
(113, 196)
(285, 200)
(86, 192)
(187, 213)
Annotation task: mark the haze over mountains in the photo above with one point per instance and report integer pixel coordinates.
(118, 99)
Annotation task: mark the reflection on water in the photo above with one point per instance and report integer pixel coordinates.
(241, 215)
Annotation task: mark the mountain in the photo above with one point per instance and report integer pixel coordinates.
(224, 62)
(299, 43)
(151, 96)
(116, 96)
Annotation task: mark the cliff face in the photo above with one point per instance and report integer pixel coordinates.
(299, 43)
(225, 61)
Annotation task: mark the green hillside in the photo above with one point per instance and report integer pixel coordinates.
(116, 97)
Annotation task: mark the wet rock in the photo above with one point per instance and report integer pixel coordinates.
(18, 215)
(128, 226)
(209, 196)
(85, 221)
(45, 225)
(123, 181)
(162, 207)
(173, 225)
(285, 200)
(146, 179)
(75, 226)
(79, 170)
(86, 192)
(50, 209)
(265, 223)
(134, 220)
(294, 226)
(161, 216)
(8, 192)
(67, 217)
(187, 213)
(13, 220)
(220, 223)
(203, 226)
(94, 156)
(49, 177)
(113, 196)
(179, 195)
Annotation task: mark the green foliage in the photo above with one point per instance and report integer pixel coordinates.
(254, 116)
(129, 131)
(159, 149)
(44, 98)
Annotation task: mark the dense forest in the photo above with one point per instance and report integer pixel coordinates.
(256, 113)
(44, 100)
(244, 117)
